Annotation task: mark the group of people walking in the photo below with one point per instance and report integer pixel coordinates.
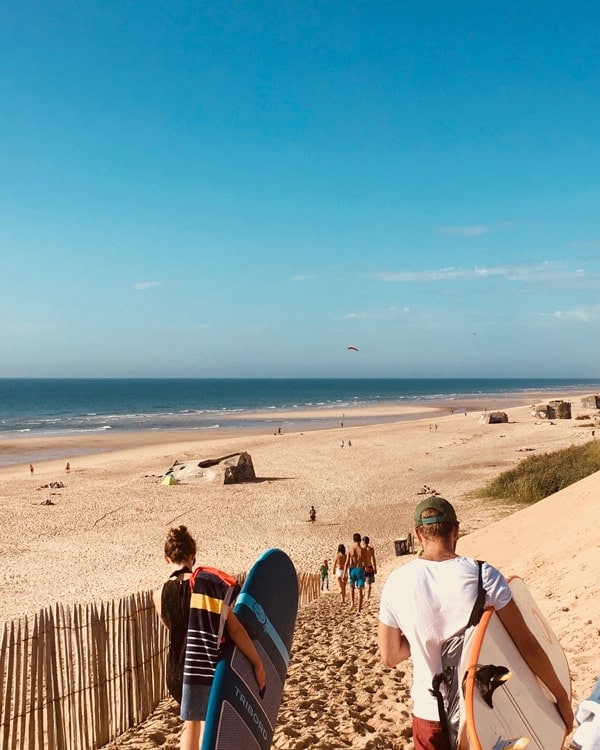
(423, 603)
(356, 567)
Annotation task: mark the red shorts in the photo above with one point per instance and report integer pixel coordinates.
(428, 735)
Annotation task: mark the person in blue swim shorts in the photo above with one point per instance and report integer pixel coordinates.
(355, 570)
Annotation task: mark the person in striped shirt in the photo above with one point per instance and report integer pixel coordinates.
(211, 622)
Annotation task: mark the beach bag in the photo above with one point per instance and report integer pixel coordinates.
(445, 686)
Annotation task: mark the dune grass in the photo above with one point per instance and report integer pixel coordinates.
(536, 477)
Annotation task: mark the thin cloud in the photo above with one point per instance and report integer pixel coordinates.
(536, 272)
(475, 230)
(141, 285)
(577, 314)
(388, 314)
(302, 277)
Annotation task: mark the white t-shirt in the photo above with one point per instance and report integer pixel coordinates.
(430, 601)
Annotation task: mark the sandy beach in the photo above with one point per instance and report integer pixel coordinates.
(102, 535)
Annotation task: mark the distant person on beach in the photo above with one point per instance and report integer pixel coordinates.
(339, 569)
(324, 573)
(429, 599)
(370, 564)
(182, 614)
(355, 570)
(312, 513)
(68, 467)
(31, 469)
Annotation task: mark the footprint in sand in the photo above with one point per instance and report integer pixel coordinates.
(354, 701)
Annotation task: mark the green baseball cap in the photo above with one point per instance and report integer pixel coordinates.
(445, 513)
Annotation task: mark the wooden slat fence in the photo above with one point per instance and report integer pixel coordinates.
(309, 588)
(77, 677)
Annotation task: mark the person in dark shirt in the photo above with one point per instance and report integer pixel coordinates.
(172, 602)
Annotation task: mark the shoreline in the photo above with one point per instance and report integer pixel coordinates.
(19, 451)
(110, 509)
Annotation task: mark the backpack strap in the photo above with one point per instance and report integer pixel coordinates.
(446, 676)
(231, 593)
(437, 694)
(232, 590)
(479, 605)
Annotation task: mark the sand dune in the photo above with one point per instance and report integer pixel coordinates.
(554, 546)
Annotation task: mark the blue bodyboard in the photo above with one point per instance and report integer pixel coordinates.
(237, 718)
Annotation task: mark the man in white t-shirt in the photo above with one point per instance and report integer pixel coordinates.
(428, 600)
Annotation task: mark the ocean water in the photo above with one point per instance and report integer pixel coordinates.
(61, 407)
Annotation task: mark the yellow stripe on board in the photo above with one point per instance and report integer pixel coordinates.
(210, 603)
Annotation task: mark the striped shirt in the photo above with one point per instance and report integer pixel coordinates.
(212, 592)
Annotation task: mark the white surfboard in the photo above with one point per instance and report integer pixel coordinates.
(523, 714)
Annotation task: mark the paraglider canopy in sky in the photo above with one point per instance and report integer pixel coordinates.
(353, 348)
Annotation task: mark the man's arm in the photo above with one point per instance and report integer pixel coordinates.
(393, 646)
(536, 658)
(239, 635)
(346, 566)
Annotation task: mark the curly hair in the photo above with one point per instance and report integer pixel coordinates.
(180, 544)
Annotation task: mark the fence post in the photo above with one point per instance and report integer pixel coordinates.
(82, 675)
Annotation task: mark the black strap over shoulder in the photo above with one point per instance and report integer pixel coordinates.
(451, 651)
(479, 605)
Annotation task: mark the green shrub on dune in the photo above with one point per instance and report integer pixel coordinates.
(539, 476)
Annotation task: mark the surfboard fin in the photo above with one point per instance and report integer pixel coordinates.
(488, 678)
(517, 744)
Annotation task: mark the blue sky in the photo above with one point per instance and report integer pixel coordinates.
(230, 189)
